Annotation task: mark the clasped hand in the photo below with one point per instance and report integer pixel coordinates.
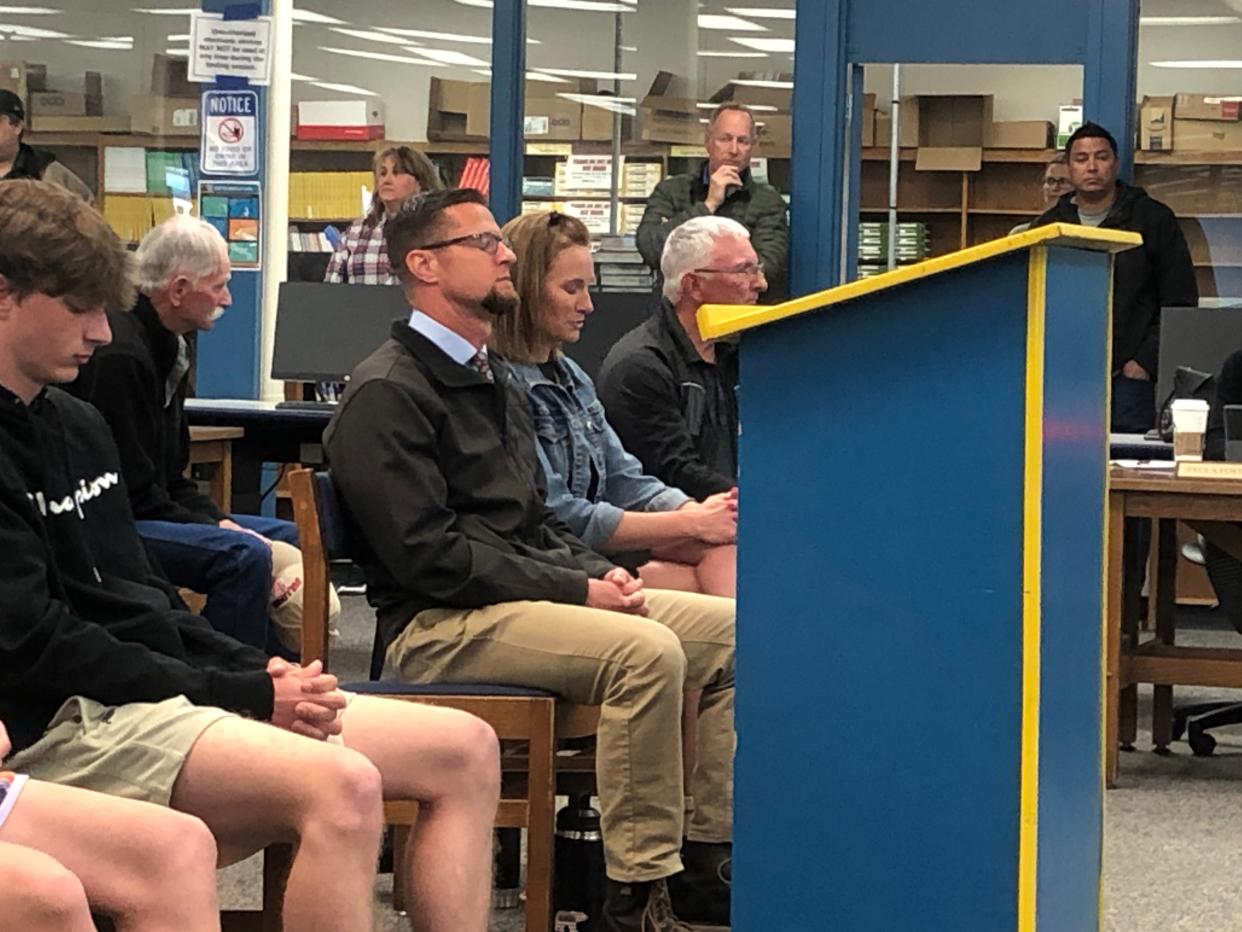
(307, 701)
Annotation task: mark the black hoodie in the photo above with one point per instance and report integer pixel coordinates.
(81, 612)
(1157, 274)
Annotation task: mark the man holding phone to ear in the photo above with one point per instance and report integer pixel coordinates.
(723, 186)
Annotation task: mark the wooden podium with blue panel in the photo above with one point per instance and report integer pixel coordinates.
(923, 463)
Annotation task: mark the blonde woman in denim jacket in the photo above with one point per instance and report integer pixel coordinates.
(594, 486)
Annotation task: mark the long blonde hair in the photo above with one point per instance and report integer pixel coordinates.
(537, 239)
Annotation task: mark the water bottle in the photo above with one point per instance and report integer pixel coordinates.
(578, 891)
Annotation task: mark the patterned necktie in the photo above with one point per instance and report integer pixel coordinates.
(478, 362)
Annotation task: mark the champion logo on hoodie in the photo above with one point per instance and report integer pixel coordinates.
(83, 493)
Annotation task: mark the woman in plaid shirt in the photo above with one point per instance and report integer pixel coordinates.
(362, 256)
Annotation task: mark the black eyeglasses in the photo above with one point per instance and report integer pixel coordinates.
(751, 269)
(484, 242)
(1053, 182)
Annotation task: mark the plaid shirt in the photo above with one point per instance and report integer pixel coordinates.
(362, 257)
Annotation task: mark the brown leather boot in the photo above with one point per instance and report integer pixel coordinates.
(639, 907)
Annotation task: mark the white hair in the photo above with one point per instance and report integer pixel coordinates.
(181, 245)
(689, 247)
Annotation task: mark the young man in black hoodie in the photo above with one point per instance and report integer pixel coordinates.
(1157, 274)
(105, 685)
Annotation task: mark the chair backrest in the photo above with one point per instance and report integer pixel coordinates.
(321, 534)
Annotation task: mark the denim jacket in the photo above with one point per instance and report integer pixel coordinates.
(573, 433)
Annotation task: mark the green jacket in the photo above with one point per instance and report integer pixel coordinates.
(756, 206)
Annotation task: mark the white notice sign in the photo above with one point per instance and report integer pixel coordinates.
(230, 132)
(240, 48)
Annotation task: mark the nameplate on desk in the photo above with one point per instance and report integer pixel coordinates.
(1189, 469)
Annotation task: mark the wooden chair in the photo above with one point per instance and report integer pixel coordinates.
(533, 716)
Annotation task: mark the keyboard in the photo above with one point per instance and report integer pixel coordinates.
(306, 405)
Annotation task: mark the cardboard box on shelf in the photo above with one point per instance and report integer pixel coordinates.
(164, 116)
(666, 114)
(951, 130)
(168, 77)
(597, 118)
(1207, 107)
(55, 103)
(868, 120)
(340, 119)
(1018, 134)
(22, 77)
(552, 118)
(775, 134)
(755, 89)
(907, 132)
(115, 123)
(1207, 136)
(1156, 124)
(458, 111)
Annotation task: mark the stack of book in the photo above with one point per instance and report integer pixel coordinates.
(303, 241)
(620, 267)
(913, 244)
(340, 196)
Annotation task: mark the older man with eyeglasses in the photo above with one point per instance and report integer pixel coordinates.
(670, 395)
(475, 580)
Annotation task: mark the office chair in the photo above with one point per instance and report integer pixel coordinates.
(1196, 719)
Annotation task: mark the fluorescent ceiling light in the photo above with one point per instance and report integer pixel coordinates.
(310, 16)
(449, 57)
(179, 37)
(758, 82)
(622, 105)
(601, 75)
(761, 12)
(344, 88)
(301, 77)
(375, 56)
(1221, 63)
(530, 76)
(31, 32)
(117, 44)
(28, 10)
(445, 36)
(629, 48)
(721, 21)
(168, 11)
(588, 6)
(369, 34)
(712, 53)
(757, 108)
(764, 44)
(1188, 20)
(177, 52)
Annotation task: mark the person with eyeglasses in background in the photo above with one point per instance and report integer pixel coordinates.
(722, 186)
(670, 394)
(598, 489)
(1056, 182)
(474, 579)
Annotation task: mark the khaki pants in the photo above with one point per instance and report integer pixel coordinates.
(636, 669)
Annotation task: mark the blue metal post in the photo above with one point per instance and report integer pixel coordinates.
(508, 95)
(1109, 73)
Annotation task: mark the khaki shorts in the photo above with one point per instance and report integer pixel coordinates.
(135, 751)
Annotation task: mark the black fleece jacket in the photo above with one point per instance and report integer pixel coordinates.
(439, 477)
(1157, 274)
(126, 381)
(81, 611)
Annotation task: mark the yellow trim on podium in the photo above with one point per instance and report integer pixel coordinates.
(718, 320)
(1032, 531)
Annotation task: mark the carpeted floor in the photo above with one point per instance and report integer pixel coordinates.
(1173, 825)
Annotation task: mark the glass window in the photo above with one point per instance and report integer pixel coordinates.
(619, 99)
(1190, 137)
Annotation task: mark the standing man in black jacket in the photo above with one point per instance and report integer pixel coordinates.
(106, 686)
(1157, 274)
(138, 382)
(20, 160)
(475, 580)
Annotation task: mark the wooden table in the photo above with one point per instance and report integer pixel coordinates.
(213, 446)
(1130, 660)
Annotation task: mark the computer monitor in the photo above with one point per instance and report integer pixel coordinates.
(324, 330)
(1199, 337)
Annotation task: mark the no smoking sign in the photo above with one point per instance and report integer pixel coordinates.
(230, 133)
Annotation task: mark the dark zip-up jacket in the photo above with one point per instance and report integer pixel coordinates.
(757, 206)
(672, 409)
(81, 611)
(41, 164)
(438, 474)
(1157, 274)
(126, 381)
